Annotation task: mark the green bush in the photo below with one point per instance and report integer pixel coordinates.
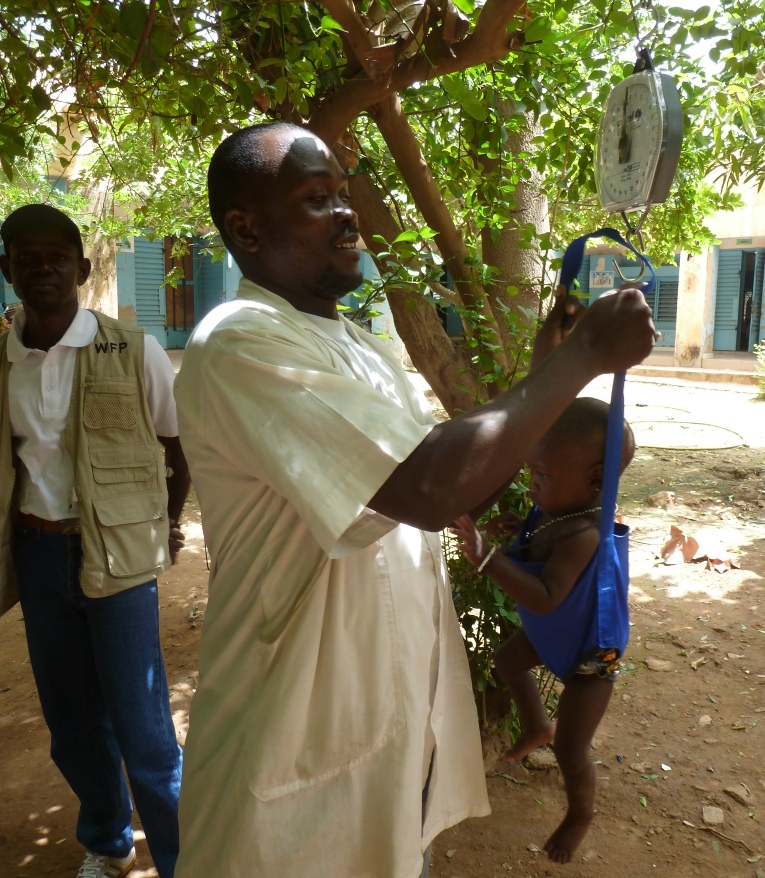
(759, 350)
(488, 617)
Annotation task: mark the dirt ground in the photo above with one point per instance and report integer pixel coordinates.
(685, 729)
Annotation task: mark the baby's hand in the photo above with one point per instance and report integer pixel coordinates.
(505, 523)
(472, 542)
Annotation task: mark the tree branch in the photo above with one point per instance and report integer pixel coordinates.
(406, 153)
(446, 368)
(142, 41)
(357, 36)
(488, 42)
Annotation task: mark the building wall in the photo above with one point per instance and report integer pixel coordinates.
(745, 226)
(125, 262)
(211, 282)
(598, 274)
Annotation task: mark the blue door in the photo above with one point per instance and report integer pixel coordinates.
(757, 330)
(179, 294)
(738, 303)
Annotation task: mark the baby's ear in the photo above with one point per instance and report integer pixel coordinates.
(596, 476)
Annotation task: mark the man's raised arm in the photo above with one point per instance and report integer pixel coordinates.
(465, 461)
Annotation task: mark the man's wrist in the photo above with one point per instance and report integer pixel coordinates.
(575, 359)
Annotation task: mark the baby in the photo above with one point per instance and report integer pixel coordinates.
(550, 572)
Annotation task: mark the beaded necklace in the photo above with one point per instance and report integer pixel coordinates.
(537, 530)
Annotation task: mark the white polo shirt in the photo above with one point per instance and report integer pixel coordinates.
(40, 390)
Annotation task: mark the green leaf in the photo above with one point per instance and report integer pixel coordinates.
(41, 99)
(406, 235)
(7, 167)
(644, 801)
(133, 18)
(162, 40)
(329, 24)
(475, 108)
(538, 28)
(280, 89)
(466, 6)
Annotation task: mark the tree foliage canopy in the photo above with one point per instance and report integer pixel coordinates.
(451, 117)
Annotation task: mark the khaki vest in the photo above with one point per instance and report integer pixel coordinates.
(119, 472)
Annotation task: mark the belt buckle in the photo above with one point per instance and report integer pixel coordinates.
(70, 526)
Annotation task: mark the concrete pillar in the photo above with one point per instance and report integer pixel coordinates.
(696, 294)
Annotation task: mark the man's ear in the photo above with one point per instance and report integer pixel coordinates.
(596, 476)
(242, 230)
(83, 271)
(5, 267)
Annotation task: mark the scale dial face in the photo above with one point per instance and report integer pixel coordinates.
(633, 133)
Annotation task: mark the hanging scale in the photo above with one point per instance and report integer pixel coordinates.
(639, 140)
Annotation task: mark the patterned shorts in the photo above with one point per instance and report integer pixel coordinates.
(604, 664)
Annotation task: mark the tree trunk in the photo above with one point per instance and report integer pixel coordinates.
(444, 366)
(519, 266)
(100, 292)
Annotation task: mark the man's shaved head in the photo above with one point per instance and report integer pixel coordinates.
(281, 203)
(245, 164)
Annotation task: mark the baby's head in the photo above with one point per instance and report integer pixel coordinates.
(567, 463)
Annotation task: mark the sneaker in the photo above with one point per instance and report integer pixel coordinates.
(100, 866)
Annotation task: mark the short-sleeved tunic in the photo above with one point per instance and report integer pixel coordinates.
(331, 665)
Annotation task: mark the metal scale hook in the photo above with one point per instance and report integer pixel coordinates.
(642, 41)
(637, 231)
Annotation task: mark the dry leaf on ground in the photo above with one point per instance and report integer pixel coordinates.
(682, 548)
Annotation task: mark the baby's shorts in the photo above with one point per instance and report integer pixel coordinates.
(604, 664)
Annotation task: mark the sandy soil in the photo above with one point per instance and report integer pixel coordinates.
(685, 724)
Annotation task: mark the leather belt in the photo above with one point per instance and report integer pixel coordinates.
(67, 526)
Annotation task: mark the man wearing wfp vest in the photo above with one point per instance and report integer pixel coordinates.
(88, 518)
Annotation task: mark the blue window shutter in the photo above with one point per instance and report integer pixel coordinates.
(726, 302)
(757, 332)
(150, 288)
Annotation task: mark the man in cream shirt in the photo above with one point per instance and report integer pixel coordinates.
(334, 731)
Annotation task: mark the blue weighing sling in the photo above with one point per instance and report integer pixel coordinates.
(594, 616)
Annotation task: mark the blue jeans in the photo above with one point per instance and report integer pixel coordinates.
(103, 691)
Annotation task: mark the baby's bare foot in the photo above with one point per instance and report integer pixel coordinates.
(562, 844)
(530, 740)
